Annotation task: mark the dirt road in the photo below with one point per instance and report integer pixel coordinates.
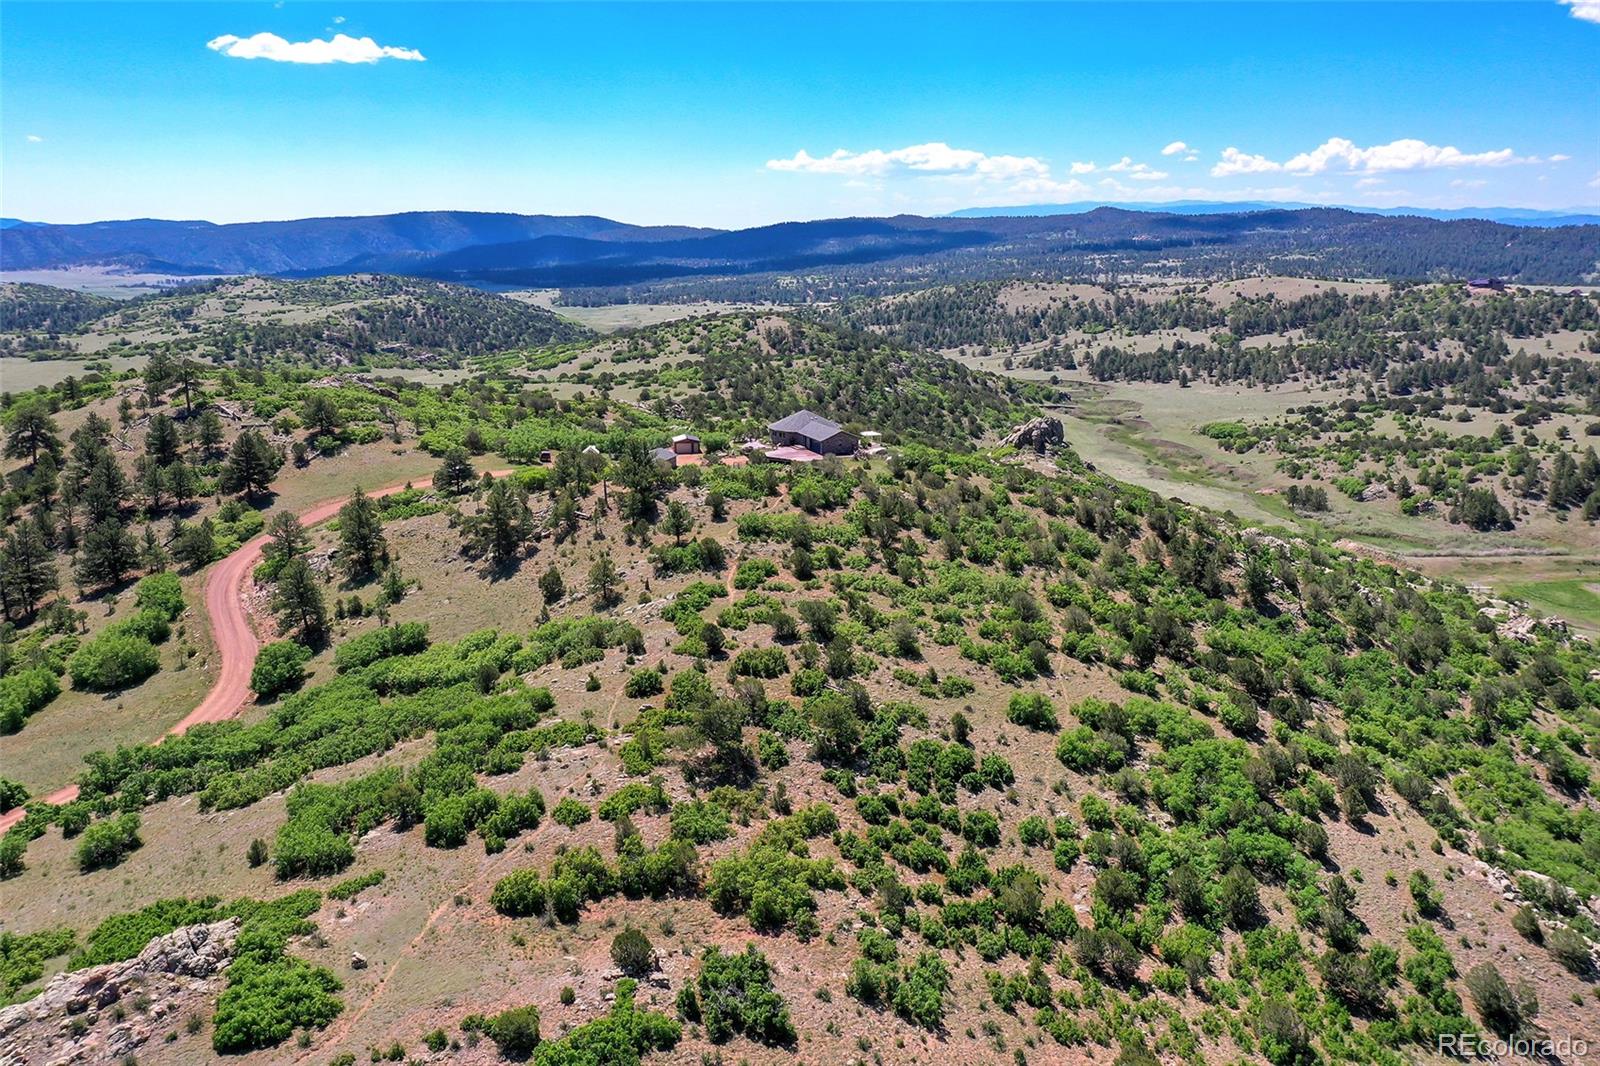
(237, 643)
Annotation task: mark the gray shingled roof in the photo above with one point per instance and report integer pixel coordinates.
(807, 424)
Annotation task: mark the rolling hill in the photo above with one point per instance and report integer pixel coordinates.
(538, 250)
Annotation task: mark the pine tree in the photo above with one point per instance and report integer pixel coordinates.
(29, 431)
(186, 375)
(181, 483)
(679, 521)
(152, 556)
(208, 434)
(251, 465)
(151, 483)
(551, 587)
(27, 568)
(297, 601)
(321, 414)
(287, 538)
(504, 524)
(196, 545)
(362, 548)
(640, 474)
(161, 440)
(604, 581)
(104, 489)
(455, 474)
(108, 554)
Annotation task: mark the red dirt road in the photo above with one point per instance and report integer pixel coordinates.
(237, 643)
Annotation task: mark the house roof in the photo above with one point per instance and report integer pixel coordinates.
(807, 424)
(685, 436)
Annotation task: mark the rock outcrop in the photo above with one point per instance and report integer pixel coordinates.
(1038, 434)
(82, 1016)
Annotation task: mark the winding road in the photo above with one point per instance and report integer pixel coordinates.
(237, 643)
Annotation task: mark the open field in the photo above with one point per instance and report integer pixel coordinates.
(1152, 434)
(100, 281)
(23, 375)
(610, 318)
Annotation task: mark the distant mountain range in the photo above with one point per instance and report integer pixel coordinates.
(329, 245)
(575, 251)
(1511, 216)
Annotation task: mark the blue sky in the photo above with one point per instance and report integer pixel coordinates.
(724, 114)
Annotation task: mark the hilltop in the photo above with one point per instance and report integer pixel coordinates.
(985, 755)
(375, 319)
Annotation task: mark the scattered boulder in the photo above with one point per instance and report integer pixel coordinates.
(358, 961)
(1038, 434)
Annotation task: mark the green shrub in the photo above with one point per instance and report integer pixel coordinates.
(24, 692)
(759, 662)
(643, 682)
(12, 795)
(22, 957)
(280, 666)
(571, 813)
(700, 822)
(108, 842)
(112, 661)
(1032, 709)
(516, 1031)
(632, 952)
(407, 638)
(752, 573)
(160, 592)
(736, 997)
(351, 887)
(519, 894)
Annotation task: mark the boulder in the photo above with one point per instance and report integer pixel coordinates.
(183, 967)
(1038, 434)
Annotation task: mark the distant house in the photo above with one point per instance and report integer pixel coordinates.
(1497, 284)
(683, 451)
(813, 433)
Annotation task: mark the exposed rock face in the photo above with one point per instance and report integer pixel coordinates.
(1038, 434)
(73, 1020)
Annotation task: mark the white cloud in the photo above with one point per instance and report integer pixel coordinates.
(936, 157)
(960, 177)
(1559, 158)
(1587, 10)
(1595, 182)
(1405, 154)
(1237, 162)
(1136, 171)
(1175, 148)
(1338, 153)
(34, 138)
(342, 48)
(338, 20)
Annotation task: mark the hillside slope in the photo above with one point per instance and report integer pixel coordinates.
(955, 755)
(355, 318)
